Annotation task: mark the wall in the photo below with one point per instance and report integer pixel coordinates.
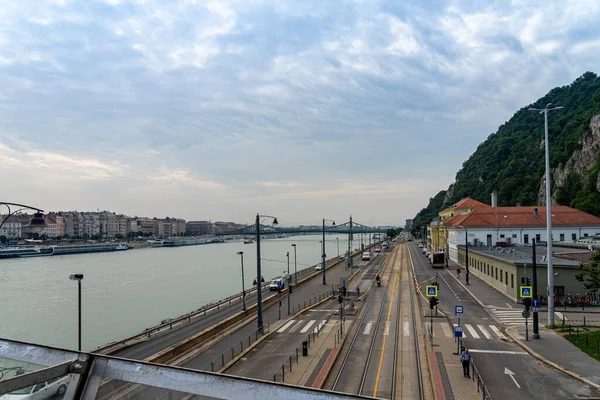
(517, 235)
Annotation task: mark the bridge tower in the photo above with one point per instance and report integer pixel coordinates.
(349, 257)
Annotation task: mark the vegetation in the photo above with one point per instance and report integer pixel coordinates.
(426, 215)
(511, 161)
(588, 342)
(589, 274)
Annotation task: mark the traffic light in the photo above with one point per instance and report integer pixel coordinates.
(343, 290)
(341, 298)
(525, 281)
(527, 303)
(433, 301)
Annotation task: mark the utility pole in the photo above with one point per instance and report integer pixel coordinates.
(536, 331)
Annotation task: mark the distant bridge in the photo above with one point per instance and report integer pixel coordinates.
(347, 228)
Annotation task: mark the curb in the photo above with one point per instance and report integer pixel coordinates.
(511, 333)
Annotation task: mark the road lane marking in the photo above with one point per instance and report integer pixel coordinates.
(323, 322)
(520, 353)
(446, 329)
(283, 328)
(509, 306)
(497, 332)
(472, 331)
(307, 327)
(368, 328)
(296, 327)
(464, 336)
(512, 375)
(387, 328)
(406, 328)
(484, 331)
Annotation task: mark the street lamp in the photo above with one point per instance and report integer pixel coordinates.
(241, 254)
(295, 265)
(466, 253)
(288, 280)
(324, 255)
(338, 246)
(37, 223)
(545, 111)
(259, 316)
(78, 278)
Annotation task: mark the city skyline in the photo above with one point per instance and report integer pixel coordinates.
(299, 110)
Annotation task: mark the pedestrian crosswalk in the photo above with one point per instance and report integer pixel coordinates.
(302, 326)
(511, 317)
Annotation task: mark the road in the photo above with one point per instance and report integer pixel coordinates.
(506, 369)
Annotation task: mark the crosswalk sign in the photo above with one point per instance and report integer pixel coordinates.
(432, 291)
(526, 292)
(458, 331)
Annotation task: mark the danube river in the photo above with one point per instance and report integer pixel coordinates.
(125, 292)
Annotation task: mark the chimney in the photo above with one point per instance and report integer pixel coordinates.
(535, 212)
(494, 199)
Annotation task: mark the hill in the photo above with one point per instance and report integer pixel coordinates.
(511, 160)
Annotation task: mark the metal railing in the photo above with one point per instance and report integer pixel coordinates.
(481, 388)
(228, 355)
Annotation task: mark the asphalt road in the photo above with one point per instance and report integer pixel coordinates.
(506, 369)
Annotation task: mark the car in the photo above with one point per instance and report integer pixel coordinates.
(420, 246)
(342, 258)
(46, 390)
(277, 284)
(318, 267)
(377, 249)
(366, 256)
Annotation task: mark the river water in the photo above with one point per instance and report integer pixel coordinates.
(125, 292)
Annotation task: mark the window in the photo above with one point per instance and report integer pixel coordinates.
(501, 275)
(525, 238)
(496, 273)
(562, 237)
(573, 236)
(501, 236)
(537, 237)
(585, 235)
(514, 235)
(506, 277)
(512, 281)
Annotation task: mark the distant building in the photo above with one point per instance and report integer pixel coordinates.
(12, 227)
(409, 224)
(200, 228)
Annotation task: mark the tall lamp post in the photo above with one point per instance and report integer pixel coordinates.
(324, 256)
(78, 278)
(241, 254)
(259, 314)
(549, 107)
(288, 277)
(338, 246)
(37, 223)
(466, 253)
(295, 264)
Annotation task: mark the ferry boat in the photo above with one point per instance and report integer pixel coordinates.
(248, 241)
(14, 252)
(88, 248)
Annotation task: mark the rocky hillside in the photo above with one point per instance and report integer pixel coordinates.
(511, 161)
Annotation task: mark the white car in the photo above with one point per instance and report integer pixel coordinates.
(377, 249)
(46, 390)
(366, 256)
(318, 267)
(420, 246)
(276, 284)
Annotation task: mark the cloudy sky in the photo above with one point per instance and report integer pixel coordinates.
(300, 109)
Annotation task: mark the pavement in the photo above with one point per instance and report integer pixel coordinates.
(506, 369)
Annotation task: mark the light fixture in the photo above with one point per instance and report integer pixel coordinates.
(38, 222)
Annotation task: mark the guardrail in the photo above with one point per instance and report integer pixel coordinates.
(221, 360)
(481, 388)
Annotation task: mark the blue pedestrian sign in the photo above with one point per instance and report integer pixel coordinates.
(432, 291)
(458, 331)
(526, 292)
(535, 303)
(459, 310)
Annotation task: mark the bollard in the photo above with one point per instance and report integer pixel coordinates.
(232, 353)
(222, 359)
(212, 366)
(241, 346)
(283, 373)
(290, 363)
(248, 340)
(296, 355)
(171, 326)
(304, 348)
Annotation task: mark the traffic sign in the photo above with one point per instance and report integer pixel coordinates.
(459, 310)
(432, 291)
(536, 309)
(526, 292)
(526, 314)
(458, 331)
(535, 303)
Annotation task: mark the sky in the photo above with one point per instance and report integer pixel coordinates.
(299, 109)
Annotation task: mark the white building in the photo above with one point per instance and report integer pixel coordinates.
(502, 226)
(12, 228)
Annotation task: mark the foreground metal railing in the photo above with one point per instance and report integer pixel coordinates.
(481, 388)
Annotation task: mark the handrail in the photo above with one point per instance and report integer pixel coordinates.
(481, 388)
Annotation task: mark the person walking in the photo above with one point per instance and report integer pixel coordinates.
(465, 358)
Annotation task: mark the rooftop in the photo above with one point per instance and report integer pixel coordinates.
(518, 255)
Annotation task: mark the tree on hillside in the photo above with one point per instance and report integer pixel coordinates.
(589, 273)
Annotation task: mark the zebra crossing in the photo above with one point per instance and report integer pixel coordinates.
(470, 331)
(511, 317)
(302, 326)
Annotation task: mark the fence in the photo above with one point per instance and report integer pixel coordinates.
(481, 388)
(228, 355)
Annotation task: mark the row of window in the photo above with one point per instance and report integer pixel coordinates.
(492, 271)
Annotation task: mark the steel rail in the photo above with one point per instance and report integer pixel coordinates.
(416, 338)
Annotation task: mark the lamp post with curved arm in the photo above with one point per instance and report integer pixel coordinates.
(466, 254)
(37, 223)
(259, 314)
(324, 256)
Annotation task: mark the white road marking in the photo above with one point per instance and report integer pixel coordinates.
(368, 327)
(284, 327)
(559, 315)
(497, 332)
(464, 334)
(316, 330)
(509, 306)
(405, 328)
(387, 328)
(512, 375)
(296, 327)
(472, 331)
(484, 331)
(428, 329)
(325, 310)
(521, 353)
(307, 327)
(446, 329)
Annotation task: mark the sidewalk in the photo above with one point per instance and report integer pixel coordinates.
(552, 348)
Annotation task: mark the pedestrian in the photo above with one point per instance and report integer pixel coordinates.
(465, 358)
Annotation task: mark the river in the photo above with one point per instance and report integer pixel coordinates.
(125, 292)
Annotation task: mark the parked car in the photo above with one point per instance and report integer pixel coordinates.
(366, 256)
(420, 245)
(377, 249)
(45, 390)
(342, 258)
(319, 267)
(277, 284)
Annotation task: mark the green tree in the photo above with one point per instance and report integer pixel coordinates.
(3, 239)
(119, 236)
(589, 273)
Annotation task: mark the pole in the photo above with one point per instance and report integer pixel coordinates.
(279, 296)
(467, 255)
(338, 246)
(536, 332)
(349, 261)
(243, 287)
(526, 330)
(79, 313)
(295, 265)
(323, 256)
(259, 316)
(289, 294)
(549, 225)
